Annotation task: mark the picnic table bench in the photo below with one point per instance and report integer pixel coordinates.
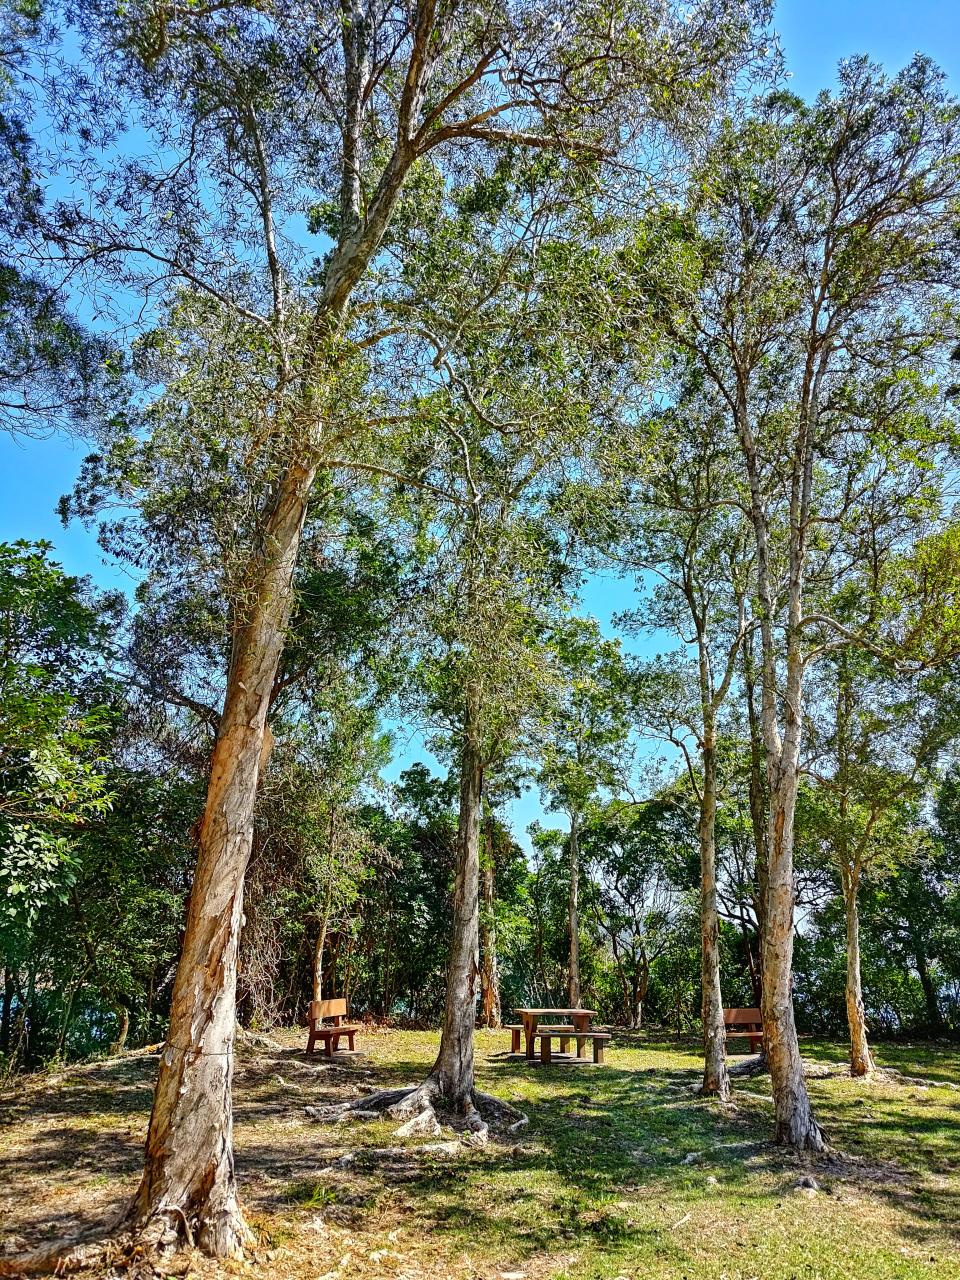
(747, 1023)
(578, 1029)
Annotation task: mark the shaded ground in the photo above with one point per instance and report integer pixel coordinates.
(623, 1171)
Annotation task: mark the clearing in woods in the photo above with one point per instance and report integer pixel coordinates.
(622, 1171)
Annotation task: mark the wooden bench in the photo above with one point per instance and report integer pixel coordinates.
(564, 1035)
(516, 1031)
(747, 1023)
(331, 1035)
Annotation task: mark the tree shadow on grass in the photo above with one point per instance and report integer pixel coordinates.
(613, 1159)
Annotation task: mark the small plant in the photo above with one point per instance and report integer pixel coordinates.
(313, 1195)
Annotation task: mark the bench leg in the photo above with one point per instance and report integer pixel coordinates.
(311, 1041)
(581, 1041)
(545, 1055)
(350, 1035)
(328, 1046)
(515, 1040)
(598, 1051)
(564, 1044)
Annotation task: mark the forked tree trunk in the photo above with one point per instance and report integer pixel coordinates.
(716, 1080)
(188, 1179)
(490, 1015)
(794, 1120)
(452, 1074)
(573, 913)
(861, 1061)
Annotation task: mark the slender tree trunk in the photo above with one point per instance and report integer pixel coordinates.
(67, 1015)
(489, 971)
(188, 1174)
(794, 1120)
(716, 1080)
(123, 1028)
(758, 811)
(934, 1016)
(320, 943)
(625, 986)
(573, 913)
(6, 1009)
(642, 987)
(861, 1062)
(452, 1073)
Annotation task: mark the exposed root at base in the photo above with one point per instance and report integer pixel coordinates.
(122, 1242)
(414, 1106)
(755, 1066)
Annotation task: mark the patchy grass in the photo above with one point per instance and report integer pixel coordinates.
(623, 1171)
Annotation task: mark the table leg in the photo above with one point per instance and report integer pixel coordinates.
(529, 1030)
(581, 1021)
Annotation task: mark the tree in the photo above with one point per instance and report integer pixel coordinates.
(586, 751)
(820, 237)
(634, 852)
(687, 531)
(257, 117)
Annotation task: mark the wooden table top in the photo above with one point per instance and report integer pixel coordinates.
(557, 1009)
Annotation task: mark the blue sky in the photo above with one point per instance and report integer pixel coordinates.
(815, 35)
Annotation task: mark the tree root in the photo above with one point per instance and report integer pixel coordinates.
(98, 1246)
(755, 1066)
(414, 1107)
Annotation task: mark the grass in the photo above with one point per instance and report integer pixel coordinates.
(622, 1172)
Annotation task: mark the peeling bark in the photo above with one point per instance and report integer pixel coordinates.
(716, 1081)
(573, 913)
(490, 1013)
(188, 1179)
(795, 1124)
(861, 1061)
(452, 1074)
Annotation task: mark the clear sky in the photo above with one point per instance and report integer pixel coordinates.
(815, 35)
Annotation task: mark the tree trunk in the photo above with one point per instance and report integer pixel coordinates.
(123, 1028)
(321, 942)
(794, 1120)
(188, 1179)
(490, 1015)
(861, 1062)
(795, 1124)
(6, 1010)
(573, 913)
(452, 1074)
(934, 1016)
(716, 1080)
(759, 812)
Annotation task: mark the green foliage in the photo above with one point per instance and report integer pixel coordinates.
(51, 777)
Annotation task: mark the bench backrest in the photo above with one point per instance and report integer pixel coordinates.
(742, 1018)
(320, 1009)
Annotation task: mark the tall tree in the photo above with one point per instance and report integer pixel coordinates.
(256, 117)
(689, 534)
(585, 753)
(821, 238)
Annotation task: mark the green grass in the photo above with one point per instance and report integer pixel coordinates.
(622, 1172)
(625, 1172)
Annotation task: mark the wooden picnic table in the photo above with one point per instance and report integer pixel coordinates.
(579, 1018)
